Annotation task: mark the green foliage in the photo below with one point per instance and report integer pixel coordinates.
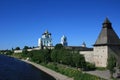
(35, 56)
(52, 58)
(61, 56)
(17, 55)
(78, 60)
(57, 55)
(64, 57)
(67, 57)
(101, 68)
(59, 46)
(85, 76)
(52, 66)
(40, 56)
(25, 47)
(54, 55)
(90, 66)
(111, 64)
(9, 52)
(24, 53)
(46, 55)
(17, 48)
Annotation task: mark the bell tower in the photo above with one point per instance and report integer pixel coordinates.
(64, 41)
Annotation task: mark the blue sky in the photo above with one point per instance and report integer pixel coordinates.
(22, 22)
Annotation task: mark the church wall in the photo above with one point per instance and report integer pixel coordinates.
(88, 56)
(100, 56)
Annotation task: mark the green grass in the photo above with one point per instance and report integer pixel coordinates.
(101, 68)
(74, 73)
(17, 55)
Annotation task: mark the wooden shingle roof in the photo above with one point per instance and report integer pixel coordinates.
(107, 35)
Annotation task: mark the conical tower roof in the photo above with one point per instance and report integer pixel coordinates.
(107, 35)
(107, 20)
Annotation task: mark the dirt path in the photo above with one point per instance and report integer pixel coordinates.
(103, 74)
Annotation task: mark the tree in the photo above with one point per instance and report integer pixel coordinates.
(17, 48)
(90, 66)
(78, 60)
(36, 56)
(46, 55)
(24, 51)
(65, 56)
(9, 52)
(59, 46)
(54, 55)
(26, 47)
(40, 55)
(111, 64)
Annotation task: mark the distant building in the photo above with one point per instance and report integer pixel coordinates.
(64, 41)
(45, 40)
(84, 44)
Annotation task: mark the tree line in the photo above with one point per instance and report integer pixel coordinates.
(58, 55)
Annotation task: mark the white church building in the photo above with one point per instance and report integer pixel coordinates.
(45, 40)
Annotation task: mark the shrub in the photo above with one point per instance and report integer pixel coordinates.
(90, 66)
